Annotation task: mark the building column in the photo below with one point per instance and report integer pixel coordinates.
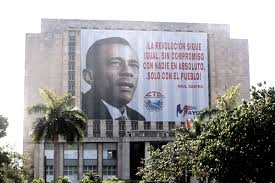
(125, 160)
(41, 162)
(119, 160)
(80, 161)
(99, 159)
(36, 160)
(146, 154)
(61, 159)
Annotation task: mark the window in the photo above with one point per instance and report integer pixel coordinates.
(109, 151)
(134, 125)
(159, 125)
(71, 66)
(49, 151)
(72, 38)
(109, 125)
(147, 125)
(90, 168)
(71, 57)
(108, 172)
(111, 154)
(109, 134)
(171, 125)
(121, 133)
(96, 128)
(49, 173)
(90, 151)
(71, 47)
(70, 151)
(72, 33)
(121, 125)
(71, 172)
(71, 75)
(71, 88)
(109, 129)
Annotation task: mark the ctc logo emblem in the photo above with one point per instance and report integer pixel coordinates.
(153, 101)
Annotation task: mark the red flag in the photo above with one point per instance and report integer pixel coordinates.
(187, 124)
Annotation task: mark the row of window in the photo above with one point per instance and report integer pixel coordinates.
(89, 151)
(122, 128)
(72, 171)
(134, 125)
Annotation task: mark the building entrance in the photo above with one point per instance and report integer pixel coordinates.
(137, 153)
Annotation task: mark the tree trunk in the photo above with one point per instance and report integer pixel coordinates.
(56, 159)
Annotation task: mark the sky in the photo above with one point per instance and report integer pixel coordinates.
(248, 19)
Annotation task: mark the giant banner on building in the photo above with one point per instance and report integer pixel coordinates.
(143, 75)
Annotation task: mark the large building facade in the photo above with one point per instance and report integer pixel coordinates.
(54, 59)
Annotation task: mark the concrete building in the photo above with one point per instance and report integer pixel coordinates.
(113, 148)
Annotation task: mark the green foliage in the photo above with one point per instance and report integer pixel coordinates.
(38, 180)
(26, 169)
(236, 144)
(3, 126)
(64, 180)
(113, 180)
(225, 102)
(90, 177)
(172, 162)
(59, 117)
(86, 181)
(228, 101)
(12, 167)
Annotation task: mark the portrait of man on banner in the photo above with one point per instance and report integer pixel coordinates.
(112, 69)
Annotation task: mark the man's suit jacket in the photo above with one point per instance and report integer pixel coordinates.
(95, 108)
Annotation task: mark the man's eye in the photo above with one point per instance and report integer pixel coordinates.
(134, 65)
(115, 62)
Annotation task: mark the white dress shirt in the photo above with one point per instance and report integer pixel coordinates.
(115, 112)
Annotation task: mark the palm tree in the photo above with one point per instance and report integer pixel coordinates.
(59, 117)
(226, 102)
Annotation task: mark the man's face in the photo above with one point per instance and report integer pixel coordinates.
(116, 71)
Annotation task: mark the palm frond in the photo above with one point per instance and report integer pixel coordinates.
(72, 126)
(60, 118)
(39, 129)
(48, 96)
(67, 99)
(37, 108)
(208, 112)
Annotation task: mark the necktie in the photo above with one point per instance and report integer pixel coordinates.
(122, 118)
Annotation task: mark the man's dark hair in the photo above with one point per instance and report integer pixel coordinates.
(93, 50)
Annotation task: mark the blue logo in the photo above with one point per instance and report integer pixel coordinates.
(153, 101)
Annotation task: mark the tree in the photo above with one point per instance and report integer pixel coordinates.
(3, 126)
(238, 145)
(225, 102)
(59, 117)
(13, 166)
(10, 166)
(172, 162)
